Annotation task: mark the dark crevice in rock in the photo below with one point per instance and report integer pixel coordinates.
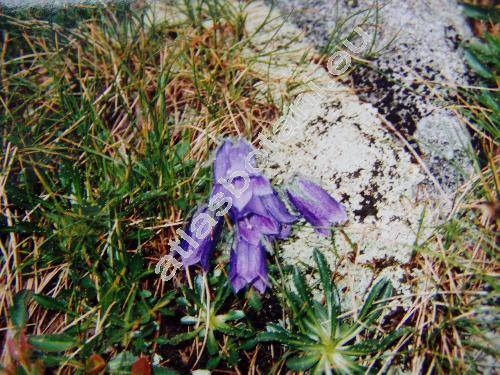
(371, 197)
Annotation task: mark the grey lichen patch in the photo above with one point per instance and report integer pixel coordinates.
(340, 143)
(410, 83)
(332, 138)
(446, 143)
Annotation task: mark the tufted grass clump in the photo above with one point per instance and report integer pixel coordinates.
(108, 115)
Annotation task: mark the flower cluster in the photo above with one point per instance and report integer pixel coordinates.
(258, 213)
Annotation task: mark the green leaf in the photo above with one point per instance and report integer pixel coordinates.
(481, 12)
(182, 301)
(363, 348)
(280, 334)
(302, 363)
(18, 311)
(331, 292)
(302, 288)
(380, 291)
(49, 303)
(324, 274)
(199, 286)
(122, 363)
(232, 315)
(232, 331)
(177, 339)
(393, 336)
(480, 68)
(159, 370)
(191, 296)
(212, 345)
(223, 292)
(165, 300)
(54, 342)
(212, 363)
(189, 319)
(283, 338)
(249, 344)
(145, 293)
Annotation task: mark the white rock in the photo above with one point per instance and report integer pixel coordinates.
(341, 144)
(422, 62)
(332, 138)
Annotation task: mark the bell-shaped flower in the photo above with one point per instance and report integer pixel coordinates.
(317, 206)
(234, 157)
(241, 189)
(277, 209)
(249, 191)
(248, 266)
(200, 239)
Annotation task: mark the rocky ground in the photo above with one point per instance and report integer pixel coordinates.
(409, 80)
(354, 138)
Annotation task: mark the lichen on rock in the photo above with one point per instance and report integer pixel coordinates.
(409, 81)
(341, 144)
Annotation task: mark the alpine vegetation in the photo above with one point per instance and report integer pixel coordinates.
(258, 213)
(319, 338)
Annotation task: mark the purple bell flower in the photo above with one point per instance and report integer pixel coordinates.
(248, 266)
(259, 214)
(234, 157)
(208, 226)
(235, 174)
(241, 191)
(317, 206)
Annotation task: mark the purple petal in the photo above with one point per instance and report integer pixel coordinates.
(238, 156)
(316, 205)
(271, 215)
(260, 185)
(233, 157)
(222, 160)
(242, 195)
(248, 266)
(248, 199)
(253, 227)
(255, 205)
(206, 245)
(277, 208)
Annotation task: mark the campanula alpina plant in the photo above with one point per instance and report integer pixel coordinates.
(258, 213)
(201, 252)
(316, 205)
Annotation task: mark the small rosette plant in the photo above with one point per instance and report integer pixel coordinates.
(318, 337)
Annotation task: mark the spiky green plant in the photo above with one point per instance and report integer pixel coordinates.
(209, 309)
(318, 337)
